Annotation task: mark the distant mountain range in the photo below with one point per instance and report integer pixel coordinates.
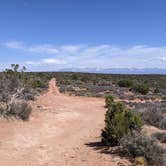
(117, 70)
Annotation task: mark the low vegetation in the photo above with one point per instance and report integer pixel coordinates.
(122, 125)
(98, 85)
(136, 144)
(123, 129)
(154, 116)
(161, 136)
(141, 88)
(125, 83)
(119, 121)
(109, 101)
(14, 93)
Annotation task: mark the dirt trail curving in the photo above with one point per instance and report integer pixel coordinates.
(62, 131)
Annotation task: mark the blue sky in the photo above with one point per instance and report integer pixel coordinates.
(55, 34)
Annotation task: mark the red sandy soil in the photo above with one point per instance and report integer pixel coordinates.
(62, 131)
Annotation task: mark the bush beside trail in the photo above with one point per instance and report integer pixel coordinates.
(119, 121)
(109, 101)
(137, 144)
(14, 88)
(123, 129)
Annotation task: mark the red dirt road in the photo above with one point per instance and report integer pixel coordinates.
(62, 131)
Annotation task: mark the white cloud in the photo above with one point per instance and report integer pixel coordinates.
(46, 61)
(14, 45)
(32, 63)
(44, 49)
(41, 49)
(53, 61)
(70, 48)
(164, 58)
(98, 56)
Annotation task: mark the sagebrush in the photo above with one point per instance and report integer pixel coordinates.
(137, 144)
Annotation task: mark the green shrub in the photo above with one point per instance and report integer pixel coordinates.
(37, 83)
(125, 83)
(136, 144)
(109, 100)
(75, 77)
(141, 88)
(118, 122)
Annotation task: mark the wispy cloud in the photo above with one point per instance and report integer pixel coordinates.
(41, 49)
(100, 56)
(163, 58)
(14, 45)
(46, 61)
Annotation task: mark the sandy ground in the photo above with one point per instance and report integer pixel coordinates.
(62, 131)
